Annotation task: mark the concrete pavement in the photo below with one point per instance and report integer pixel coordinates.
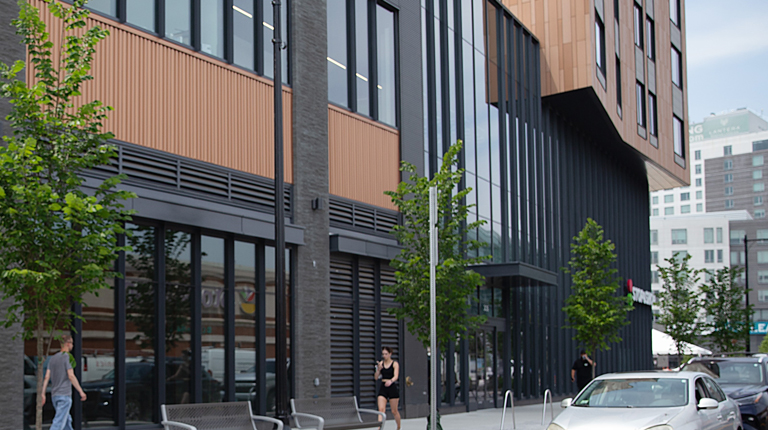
(527, 417)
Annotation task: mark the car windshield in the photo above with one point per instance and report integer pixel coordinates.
(729, 372)
(635, 393)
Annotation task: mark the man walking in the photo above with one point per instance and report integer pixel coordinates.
(63, 379)
(581, 371)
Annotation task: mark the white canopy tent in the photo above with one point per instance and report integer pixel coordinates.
(662, 344)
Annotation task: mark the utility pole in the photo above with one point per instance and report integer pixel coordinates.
(746, 292)
(281, 329)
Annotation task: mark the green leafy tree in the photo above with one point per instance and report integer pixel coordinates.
(680, 302)
(594, 309)
(764, 345)
(727, 319)
(58, 241)
(455, 283)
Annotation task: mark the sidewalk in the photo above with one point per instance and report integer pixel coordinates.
(526, 417)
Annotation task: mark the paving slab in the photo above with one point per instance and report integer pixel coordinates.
(527, 417)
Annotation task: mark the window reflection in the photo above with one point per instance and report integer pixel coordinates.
(178, 287)
(243, 20)
(98, 357)
(362, 75)
(213, 305)
(337, 52)
(246, 312)
(140, 299)
(385, 29)
(107, 7)
(140, 13)
(178, 21)
(212, 27)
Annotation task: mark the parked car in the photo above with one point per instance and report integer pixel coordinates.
(245, 384)
(745, 379)
(650, 401)
(140, 390)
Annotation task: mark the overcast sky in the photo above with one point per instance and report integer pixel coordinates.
(727, 56)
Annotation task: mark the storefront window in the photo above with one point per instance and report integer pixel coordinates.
(246, 312)
(178, 321)
(213, 305)
(98, 358)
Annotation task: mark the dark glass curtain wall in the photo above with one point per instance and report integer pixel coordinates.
(199, 302)
(535, 178)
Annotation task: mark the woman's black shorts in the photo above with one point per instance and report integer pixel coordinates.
(391, 392)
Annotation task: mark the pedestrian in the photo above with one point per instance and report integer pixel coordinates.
(388, 370)
(581, 371)
(62, 379)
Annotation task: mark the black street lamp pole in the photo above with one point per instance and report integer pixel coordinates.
(746, 291)
(281, 370)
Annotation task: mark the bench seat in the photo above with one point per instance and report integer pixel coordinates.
(216, 416)
(335, 413)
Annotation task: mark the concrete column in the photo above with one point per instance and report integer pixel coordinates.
(311, 297)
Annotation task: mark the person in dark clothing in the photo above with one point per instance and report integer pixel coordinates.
(389, 371)
(581, 372)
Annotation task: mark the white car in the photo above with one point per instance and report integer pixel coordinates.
(650, 401)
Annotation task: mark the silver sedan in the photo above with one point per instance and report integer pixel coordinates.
(650, 401)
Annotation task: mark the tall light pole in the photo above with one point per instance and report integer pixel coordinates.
(281, 329)
(747, 314)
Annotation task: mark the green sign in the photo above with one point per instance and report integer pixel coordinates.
(719, 126)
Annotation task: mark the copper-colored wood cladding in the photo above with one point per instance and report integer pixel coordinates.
(170, 98)
(566, 33)
(363, 158)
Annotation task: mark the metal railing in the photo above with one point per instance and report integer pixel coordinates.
(504, 411)
(551, 409)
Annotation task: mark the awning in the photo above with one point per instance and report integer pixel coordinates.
(663, 344)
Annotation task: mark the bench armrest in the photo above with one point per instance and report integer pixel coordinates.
(268, 419)
(371, 411)
(166, 424)
(320, 420)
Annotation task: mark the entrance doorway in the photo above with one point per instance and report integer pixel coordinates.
(486, 367)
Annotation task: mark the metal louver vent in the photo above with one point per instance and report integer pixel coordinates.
(368, 357)
(345, 213)
(342, 352)
(169, 172)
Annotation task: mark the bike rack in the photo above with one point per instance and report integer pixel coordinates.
(504, 411)
(551, 409)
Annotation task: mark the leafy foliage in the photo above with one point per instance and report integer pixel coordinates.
(58, 241)
(594, 310)
(764, 345)
(455, 284)
(727, 319)
(679, 301)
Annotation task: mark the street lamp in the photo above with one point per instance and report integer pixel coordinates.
(747, 314)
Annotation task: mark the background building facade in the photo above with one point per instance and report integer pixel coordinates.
(553, 134)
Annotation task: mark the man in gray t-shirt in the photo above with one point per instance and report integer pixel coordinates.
(62, 379)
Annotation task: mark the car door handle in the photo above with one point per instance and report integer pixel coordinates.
(719, 417)
(732, 416)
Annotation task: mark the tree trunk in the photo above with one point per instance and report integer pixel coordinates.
(40, 363)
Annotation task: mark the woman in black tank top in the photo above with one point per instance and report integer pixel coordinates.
(388, 371)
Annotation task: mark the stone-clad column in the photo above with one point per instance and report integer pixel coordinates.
(311, 296)
(12, 352)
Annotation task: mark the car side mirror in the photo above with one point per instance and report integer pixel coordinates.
(566, 402)
(707, 403)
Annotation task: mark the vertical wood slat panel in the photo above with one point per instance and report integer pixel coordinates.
(364, 158)
(170, 98)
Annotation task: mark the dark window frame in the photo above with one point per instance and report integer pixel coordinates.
(641, 108)
(677, 59)
(600, 44)
(638, 20)
(650, 36)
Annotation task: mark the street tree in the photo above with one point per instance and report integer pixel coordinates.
(727, 318)
(594, 310)
(455, 283)
(679, 302)
(59, 241)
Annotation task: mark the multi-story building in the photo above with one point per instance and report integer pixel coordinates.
(571, 113)
(725, 135)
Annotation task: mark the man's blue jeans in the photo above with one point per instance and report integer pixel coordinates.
(62, 420)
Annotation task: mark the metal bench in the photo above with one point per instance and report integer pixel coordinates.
(216, 416)
(336, 413)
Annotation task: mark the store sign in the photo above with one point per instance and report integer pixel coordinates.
(214, 298)
(640, 296)
(715, 127)
(760, 327)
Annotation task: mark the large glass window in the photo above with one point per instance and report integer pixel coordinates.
(679, 236)
(178, 21)
(677, 68)
(107, 7)
(385, 29)
(243, 29)
(709, 235)
(719, 235)
(247, 309)
(140, 13)
(212, 27)
(178, 317)
(638, 27)
(674, 12)
(678, 136)
(140, 325)
(337, 51)
(737, 237)
(599, 43)
(213, 312)
(362, 73)
(762, 257)
(652, 121)
(654, 237)
(758, 160)
(758, 187)
(650, 35)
